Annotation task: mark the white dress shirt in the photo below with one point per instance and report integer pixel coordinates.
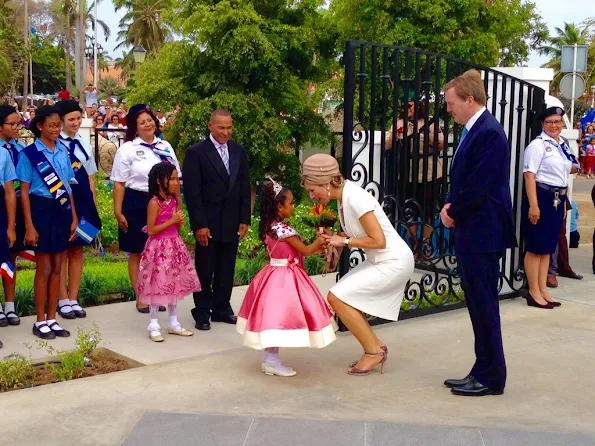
(133, 162)
(89, 164)
(545, 159)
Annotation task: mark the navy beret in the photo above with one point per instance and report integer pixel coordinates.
(551, 111)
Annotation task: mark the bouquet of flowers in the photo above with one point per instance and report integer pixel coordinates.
(320, 218)
(324, 220)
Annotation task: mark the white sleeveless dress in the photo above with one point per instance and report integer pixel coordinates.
(377, 285)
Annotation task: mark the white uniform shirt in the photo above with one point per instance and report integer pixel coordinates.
(89, 164)
(547, 162)
(133, 162)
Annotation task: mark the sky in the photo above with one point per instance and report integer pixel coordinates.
(554, 13)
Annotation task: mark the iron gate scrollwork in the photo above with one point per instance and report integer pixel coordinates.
(398, 144)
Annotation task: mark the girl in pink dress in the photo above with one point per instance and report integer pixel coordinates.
(166, 272)
(283, 307)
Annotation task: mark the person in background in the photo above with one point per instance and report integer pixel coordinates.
(593, 200)
(574, 234)
(91, 100)
(85, 201)
(560, 259)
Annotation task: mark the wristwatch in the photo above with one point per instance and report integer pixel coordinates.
(347, 241)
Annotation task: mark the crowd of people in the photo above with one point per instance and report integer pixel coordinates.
(587, 150)
(49, 214)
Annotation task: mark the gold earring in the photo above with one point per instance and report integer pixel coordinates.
(328, 191)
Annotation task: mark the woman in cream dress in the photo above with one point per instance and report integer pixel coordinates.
(376, 286)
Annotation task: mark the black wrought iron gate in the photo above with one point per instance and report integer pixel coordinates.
(398, 144)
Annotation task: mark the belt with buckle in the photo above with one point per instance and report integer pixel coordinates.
(561, 190)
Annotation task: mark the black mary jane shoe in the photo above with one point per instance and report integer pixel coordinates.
(37, 332)
(66, 314)
(532, 303)
(13, 318)
(1, 345)
(79, 313)
(4, 320)
(475, 388)
(59, 331)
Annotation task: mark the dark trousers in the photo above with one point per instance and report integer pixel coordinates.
(215, 265)
(479, 276)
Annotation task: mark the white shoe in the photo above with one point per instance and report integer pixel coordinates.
(277, 370)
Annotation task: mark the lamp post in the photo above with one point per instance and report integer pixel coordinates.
(92, 53)
(139, 54)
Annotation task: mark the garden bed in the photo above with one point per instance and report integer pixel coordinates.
(101, 362)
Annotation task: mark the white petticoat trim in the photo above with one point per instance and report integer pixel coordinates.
(287, 338)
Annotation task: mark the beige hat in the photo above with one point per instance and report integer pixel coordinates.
(320, 169)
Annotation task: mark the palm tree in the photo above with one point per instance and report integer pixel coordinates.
(108, 87)
(570, 35)
(142, 24)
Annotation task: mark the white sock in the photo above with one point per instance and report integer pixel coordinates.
(154, 325)
(64, 305)
(45, 328)
(9, 307)
(1, 315)
(75, 305)
(173, 321)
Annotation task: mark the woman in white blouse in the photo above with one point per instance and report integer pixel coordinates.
(130, 174)
(375, 287)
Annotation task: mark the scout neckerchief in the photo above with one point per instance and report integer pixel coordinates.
(48, 174)
(562, 148)
(71, 144)
(14, 155)
(163, 154)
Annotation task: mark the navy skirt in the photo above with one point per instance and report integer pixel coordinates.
(134, 208)
(52, 222)
(542, 238)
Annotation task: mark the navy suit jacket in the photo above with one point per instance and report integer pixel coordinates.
(480, 200)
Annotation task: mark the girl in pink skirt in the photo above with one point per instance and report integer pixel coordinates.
(283, 307)
(166, 272)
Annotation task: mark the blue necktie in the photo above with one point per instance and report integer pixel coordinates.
(465, 131)
(14, 153)
(163, 154)
(72, 146)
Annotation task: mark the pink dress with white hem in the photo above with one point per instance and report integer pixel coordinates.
(282, 306)
(166, 273)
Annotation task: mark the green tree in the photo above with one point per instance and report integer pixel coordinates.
(108, 87)
(484, 32)
(254, 58)
(49, 68)
(143, 24)
(568, 35)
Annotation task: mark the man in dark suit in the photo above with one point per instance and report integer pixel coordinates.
(217, 194)
(479, 207)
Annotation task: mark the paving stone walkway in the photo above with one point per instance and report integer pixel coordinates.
(158, 429)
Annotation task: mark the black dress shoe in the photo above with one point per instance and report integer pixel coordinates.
(457, 382)
(475, 388)
(144, 310)
(572, 275)
(555, 304)
(1, 345)
(204, 326)
(37, 332)
(162, 308)
(229, 319)
(66, 314)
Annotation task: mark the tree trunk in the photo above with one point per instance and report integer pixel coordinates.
(67, 47)
(26, 64)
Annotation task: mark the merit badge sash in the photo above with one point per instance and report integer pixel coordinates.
(48, 175)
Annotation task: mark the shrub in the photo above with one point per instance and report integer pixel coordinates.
(92, 288)
(72, 363)
(15, 371)
(246, 269)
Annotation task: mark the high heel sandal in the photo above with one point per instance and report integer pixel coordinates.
(363, 372)
(384, 348)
